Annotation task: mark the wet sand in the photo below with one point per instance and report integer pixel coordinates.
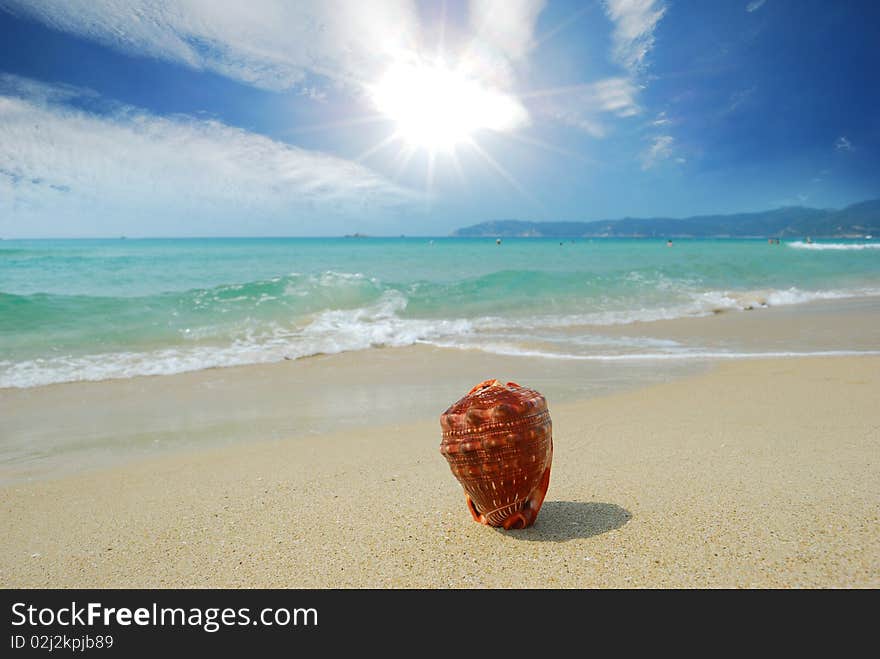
(62, 429)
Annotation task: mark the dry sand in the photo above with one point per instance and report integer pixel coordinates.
(759, 473)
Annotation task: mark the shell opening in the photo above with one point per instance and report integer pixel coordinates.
(476, 514)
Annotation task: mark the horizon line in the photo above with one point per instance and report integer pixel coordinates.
(357, 234)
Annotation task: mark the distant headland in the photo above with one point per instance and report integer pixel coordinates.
(855, 221)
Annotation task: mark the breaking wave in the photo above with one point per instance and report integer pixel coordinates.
(300, 316)
(833, 246)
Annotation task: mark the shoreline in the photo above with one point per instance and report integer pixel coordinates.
(759, 473)
(609, 336)
(66, 428)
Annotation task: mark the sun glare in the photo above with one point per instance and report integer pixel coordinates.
(436, 107)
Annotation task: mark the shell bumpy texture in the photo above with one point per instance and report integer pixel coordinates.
(498, 442)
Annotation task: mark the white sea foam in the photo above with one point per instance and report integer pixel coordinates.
(376, 326)
(598, 318)
(382, 324)
(597, 340)
(329, 332)
(515, 351)
(702, 303)
(798, 244)
(745, 300)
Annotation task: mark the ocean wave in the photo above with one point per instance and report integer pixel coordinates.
(381, 318)
(294, 284)
(798, 244)
(496, 299)
(219, 310)
(699, 304)
(748, 300)
(596, 340)
(329, 332)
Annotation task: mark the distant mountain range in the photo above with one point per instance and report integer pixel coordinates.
(853, 221)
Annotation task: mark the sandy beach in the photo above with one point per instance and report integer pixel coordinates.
(251, 255)
(758, 473)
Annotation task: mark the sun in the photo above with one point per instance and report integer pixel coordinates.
(437, 107)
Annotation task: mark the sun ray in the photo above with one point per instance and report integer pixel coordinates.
(556, 29)
(468, 51)
(456, 165)
(339, 76)
(429, 178)
(532, 141)
(407, 151)
(377, 147)
(503, 172)
(441, 42)
(342, 123)
(555, 91)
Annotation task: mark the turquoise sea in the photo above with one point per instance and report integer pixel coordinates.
(96, 309)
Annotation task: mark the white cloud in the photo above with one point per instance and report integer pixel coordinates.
(755, 5)
(283, 44)
(59, 163)
(617, 96)
(576, 117)
(633, 37)
(313, 93)
(582, 106)
(502, 35)
(843, 144)
(508, 26)
(660, 149)
(266, 43)
(661, 120)
(739, 99)
(634, 25)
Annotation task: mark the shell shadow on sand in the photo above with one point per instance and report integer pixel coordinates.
(559, 521)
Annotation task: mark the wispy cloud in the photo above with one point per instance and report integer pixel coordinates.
(660, 150)
(616, 95)
(587, 107)
(634, 25)
(661, 120)
(739, 99)
(582, 106)
(313, 93)
(576, 117)
(60, 161)
(502, 34)
(507, 26)
(284, 44)
(265, 43)
(755, 5)
(843, 144)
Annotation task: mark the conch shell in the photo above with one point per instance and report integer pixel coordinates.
(498, 441)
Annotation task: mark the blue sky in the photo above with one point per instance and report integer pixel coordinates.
(274, 117)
